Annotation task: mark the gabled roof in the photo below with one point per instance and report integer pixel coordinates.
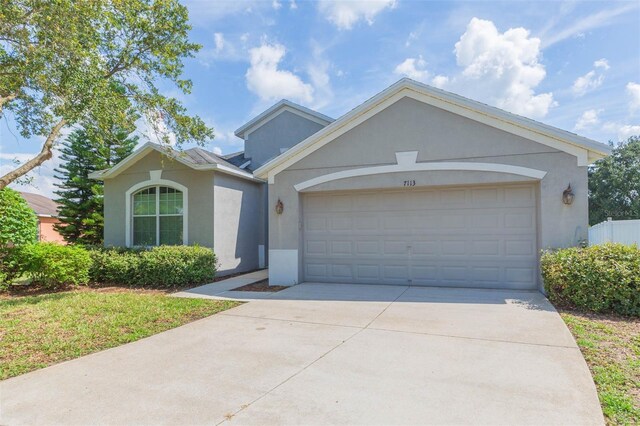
(586, 150)
(41, 205)
(195, 158)
(277, 109)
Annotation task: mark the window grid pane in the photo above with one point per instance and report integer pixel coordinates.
(144, 231)
(165, 219)
(170, 230)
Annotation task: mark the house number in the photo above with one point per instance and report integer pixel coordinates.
(410, 182)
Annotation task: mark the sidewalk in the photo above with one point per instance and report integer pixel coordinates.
(223, 289)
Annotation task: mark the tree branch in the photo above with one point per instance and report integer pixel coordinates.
(45, 154)
(6, 99)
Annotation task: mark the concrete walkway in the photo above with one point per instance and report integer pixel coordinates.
(224, 289)
(330, 354)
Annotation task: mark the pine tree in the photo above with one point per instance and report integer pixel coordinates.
(81, 198)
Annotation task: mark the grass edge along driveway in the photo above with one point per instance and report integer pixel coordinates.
(39, 331)
(611, 346)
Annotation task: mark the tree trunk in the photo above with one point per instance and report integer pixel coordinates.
(45, 154)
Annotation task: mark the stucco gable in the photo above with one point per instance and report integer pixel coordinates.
(585, 150)
(277, 109)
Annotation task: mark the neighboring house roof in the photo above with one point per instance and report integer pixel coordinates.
(195, 158)
(41, 205)
(277, 109)
(586, 150)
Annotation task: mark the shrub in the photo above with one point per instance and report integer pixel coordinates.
(601, 278)
(53, 265)
(164, 266)
(115, 266)
(169, 266)
(18, 225)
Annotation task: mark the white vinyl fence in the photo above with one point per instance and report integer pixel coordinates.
(615, 231)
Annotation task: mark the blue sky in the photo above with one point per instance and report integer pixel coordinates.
(574, 65)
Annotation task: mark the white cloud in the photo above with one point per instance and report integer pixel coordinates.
(591, 80)
(345, 13)
(501, 69)
(440, 81)
(293, 5)
(415, 68)
(318, 70)
(588, 119)
(270, 83)
(602, 63)
(218, 39)
(276, 4)
(622, 131)
(625, 131)
(633, 90)
(217, 150)
(582, 25)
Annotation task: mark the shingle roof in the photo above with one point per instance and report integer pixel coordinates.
(237, 159)
(40, 204)
(196, 158)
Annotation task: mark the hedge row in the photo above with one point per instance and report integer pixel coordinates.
(164, 266)
(600, 278)
(53, 265)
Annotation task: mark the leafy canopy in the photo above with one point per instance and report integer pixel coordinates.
(18, 223)
(71, 62)
(614, 184)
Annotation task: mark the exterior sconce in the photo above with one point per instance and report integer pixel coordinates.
(279, 206)
(568, 195)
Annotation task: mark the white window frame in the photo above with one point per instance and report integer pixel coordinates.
(156, 181)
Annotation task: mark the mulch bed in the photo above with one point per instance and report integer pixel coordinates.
(25, 290)
(261, 287)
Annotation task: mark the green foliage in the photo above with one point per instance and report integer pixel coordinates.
(164, 266)
(115, 266)
(66, 63)
(81, 198)
(601, 278)
(53, 265)
(18, 225)
(614, 184)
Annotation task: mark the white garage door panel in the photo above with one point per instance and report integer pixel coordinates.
(472, 237)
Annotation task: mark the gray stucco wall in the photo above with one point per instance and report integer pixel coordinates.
(200, 198)
(283, 131)
(238, 223)
(437, 135)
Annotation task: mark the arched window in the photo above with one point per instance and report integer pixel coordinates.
(158, 216)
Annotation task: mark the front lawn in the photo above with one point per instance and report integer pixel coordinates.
(611, 346)
(37, 331)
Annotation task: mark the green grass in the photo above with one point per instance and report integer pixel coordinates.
(611, 347)
(37, 331)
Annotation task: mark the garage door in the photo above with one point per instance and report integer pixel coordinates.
(456, 236)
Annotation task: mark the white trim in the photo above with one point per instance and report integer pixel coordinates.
(277, 109)
(141, 152)
(245, 164)
(421, 167)
(283, 267)
(584, 149)
(153, 182)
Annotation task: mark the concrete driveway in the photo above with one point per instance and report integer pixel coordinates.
(330, 354)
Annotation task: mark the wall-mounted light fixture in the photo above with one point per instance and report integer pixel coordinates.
(568, 195)
(279, 206)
